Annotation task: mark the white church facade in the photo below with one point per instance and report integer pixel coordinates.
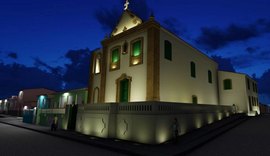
(144, 76)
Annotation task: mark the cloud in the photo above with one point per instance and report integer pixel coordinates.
(55, 70)
(12, 55)
(263, 83)
(224, 64)
(173, 25)
(213, 38)
(108, 18)
(15, 77)
(247, 60)
(264, 25)
(77, 72)
(142, 10)
(252, 50)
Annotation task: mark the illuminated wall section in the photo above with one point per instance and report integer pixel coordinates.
(136, 72)
(239, 93)
(145, 122)
(176, 82)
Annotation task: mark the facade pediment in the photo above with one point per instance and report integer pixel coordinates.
(127, 21)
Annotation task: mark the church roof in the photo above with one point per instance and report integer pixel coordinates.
(127, 21)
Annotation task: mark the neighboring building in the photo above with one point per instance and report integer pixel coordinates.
(240, 90)
(27, 98)
(144, 76)
(62, 105)
(264, 108)
(4, 104)
(13, 108)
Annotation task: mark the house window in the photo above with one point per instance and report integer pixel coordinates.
(194, 99)
(136, 55)
(115, 58)
(167, 50)
(248, 85)
(250, 104)
(227, 84)
(209, 76)
(193, 69)
(97, 60)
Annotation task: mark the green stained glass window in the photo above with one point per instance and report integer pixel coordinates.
(227, 84)
(115, 55)
(137, 48)
(168, 50)
(192, 69)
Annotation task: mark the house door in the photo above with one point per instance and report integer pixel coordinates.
(72, 116)
(194, 99)
(124, 90)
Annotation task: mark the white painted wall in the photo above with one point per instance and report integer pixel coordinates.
(176, 83)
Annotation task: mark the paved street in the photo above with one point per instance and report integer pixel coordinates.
(19, 141)
(233, 136)
(251, 138)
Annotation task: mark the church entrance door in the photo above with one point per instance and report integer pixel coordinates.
(124, 90)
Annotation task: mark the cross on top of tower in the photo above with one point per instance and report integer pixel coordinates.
(126, 5)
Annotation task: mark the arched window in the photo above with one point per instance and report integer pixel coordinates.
(250, 103)
(167, 50)
(115, 58)
(209, 76)
(136, 54)
(248, 84)
(227, 84)
(192, 69)
(97, 64)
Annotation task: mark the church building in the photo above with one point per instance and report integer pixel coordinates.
(144, 77)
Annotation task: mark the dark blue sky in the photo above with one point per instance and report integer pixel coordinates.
(39, 33)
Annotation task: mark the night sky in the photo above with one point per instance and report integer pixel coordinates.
(47, 43)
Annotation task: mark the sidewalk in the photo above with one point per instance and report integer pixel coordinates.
(185, 144)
